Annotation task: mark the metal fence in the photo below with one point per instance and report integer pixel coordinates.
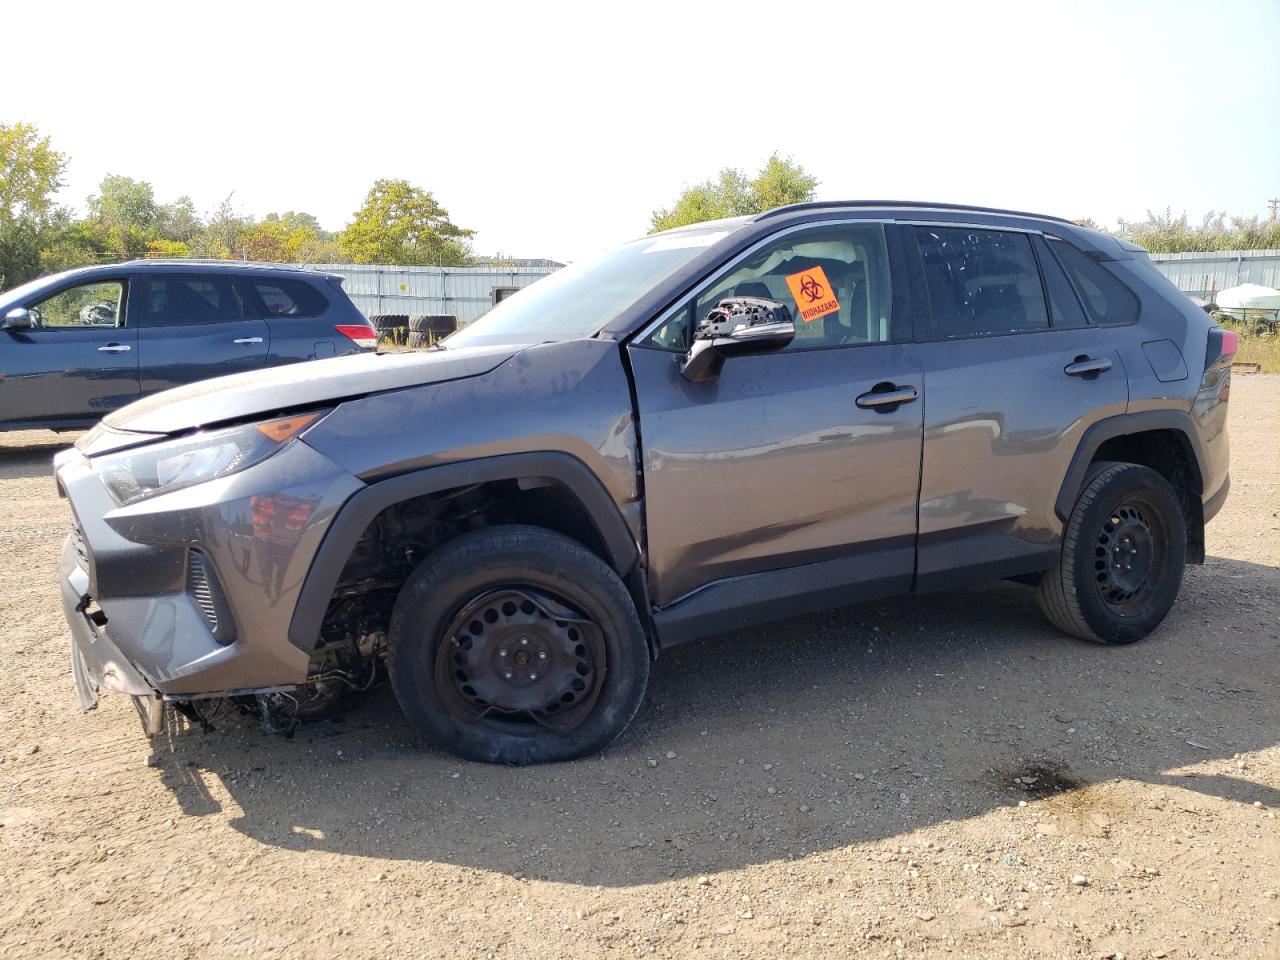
(469, 292)
(1204, 274)
(462, 292)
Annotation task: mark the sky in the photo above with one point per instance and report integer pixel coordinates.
(553, 129)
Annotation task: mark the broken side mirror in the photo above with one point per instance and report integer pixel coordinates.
(735, 327)
(19, 318)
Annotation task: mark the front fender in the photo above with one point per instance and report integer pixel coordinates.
(358, 512)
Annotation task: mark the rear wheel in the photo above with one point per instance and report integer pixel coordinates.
(1123, 553)
(517, 645)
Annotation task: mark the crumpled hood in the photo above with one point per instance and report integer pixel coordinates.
(314, 383)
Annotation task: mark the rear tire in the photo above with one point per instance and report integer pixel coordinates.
(517, 645)
(1123, 553)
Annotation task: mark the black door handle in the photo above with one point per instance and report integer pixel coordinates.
(885, 397)
(1086, 366)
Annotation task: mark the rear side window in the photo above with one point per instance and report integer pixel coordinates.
(1106, 300)
(1064, 306)
(981, 282)
(177, 301)
(289, 298)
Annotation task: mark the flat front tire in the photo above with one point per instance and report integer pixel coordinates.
(1123, 553)
(517, 645)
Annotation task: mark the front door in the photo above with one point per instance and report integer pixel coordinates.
(76, 363)
(193, 327)
(787, 459)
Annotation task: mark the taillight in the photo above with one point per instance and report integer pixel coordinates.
(1222, 346)
(361, 334)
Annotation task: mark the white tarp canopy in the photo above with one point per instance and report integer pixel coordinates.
(1249, 296)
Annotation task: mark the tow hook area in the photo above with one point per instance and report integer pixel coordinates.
(151, 713)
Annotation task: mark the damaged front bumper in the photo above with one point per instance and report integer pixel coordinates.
(189, 595)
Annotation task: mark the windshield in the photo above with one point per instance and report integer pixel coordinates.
(576, 301)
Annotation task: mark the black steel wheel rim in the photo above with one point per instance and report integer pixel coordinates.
(515, 656)
(1130, 556)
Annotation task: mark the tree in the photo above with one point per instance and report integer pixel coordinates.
(779, 182)
(220, 237)
(178, 221)
(30, 174)
(124, 203)
(403, 224)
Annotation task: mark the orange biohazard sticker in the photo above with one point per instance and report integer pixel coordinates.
(813, 294)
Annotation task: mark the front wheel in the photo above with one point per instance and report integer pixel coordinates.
(517, 645)
(1123, 552)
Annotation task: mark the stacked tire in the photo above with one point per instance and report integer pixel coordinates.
(392, 327)
(425, 328)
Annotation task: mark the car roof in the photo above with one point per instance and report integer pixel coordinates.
(919, 207)
(191, 265)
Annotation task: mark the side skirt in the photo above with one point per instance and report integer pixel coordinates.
(757, 598)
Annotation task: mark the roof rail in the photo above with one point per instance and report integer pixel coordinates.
(908, 204)
(212, 261)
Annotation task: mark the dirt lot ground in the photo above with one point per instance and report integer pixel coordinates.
(941, 775)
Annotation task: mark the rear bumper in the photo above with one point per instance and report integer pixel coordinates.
(190, 594)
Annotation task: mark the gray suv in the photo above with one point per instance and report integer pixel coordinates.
(700, 430)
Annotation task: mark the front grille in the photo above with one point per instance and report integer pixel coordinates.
(199, 587)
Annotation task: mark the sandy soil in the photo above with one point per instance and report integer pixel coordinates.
(840, 784)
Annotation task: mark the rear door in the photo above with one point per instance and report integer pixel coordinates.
(788, 460)
(1014, 374)
(78, 361)
(195, 326)
(297, 315)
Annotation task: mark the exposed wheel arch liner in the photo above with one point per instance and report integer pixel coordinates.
(1178, 421)
(358, 512)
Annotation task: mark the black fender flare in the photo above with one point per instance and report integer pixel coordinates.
(1178, 421)
(354, 517)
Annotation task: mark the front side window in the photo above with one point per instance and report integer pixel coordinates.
(1106, 299)
(178, 301)
(93, 305)
(981, 282)
(834, 279)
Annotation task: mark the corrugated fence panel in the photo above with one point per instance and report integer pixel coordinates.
(462, 292)
(1202, 274)
(467, 292)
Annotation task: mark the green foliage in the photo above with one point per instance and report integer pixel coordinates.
(178, 220)
(1259, 342)
(1165, 233)
(172, 249)
(124, 203)
(732, 194)
(30, 174)
(403, 224)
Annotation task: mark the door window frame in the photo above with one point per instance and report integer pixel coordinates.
(922, 290)
(122, 279)
(1049, 240)
(229, 280)
(901, 312)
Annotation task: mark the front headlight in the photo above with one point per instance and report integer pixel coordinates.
(134, 475)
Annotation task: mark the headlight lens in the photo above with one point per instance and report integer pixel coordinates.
(134, 475)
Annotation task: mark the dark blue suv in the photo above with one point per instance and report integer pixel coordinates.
(79, 344)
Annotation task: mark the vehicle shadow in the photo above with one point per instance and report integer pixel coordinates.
(790, 739)
(34, 456)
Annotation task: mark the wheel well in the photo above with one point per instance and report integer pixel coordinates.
(405, 533)
(1168, 452)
